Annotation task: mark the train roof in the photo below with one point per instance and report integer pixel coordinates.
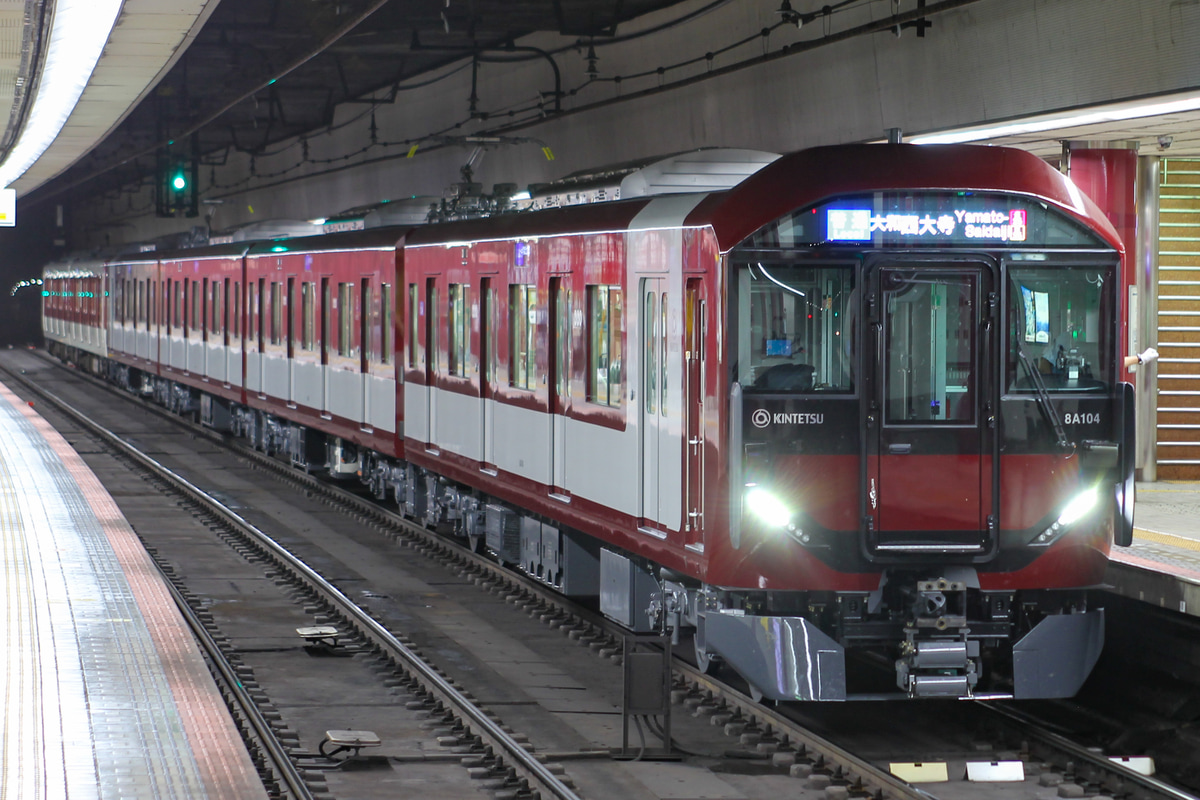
(368, 239)
(235, 250)
(807, 177)
(799, 180)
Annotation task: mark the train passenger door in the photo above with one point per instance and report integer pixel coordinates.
(431, 360)
(557, 384)
(289, 314)
(487, 373)
(929, 490)
(366, 350)
(326, 332)
(653, 404)
(695, 327)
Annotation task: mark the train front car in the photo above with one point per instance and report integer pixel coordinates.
(927, 427)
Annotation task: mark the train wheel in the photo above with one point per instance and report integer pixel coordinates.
(706, 662)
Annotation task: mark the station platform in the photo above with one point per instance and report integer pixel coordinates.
(106, 694)
(1163, 564)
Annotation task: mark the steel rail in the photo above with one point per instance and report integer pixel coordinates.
(282, 764)
(878, 781)
(1031, 728)
(541, 779)
(874, 779)
(284, 767)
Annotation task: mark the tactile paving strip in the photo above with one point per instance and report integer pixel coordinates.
(106, 694)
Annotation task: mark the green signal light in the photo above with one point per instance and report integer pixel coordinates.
(179, 182)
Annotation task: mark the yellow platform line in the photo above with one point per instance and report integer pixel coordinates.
(1166, 538)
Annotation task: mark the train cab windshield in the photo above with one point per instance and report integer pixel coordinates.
(795, 328)
(1056, 321)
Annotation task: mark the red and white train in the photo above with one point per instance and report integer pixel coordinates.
(867, 402)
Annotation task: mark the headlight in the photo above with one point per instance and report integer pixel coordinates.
(1083, 502)
(768, 508)
(1075, 510)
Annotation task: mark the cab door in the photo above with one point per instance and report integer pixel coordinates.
(695, 329)
(928, 484)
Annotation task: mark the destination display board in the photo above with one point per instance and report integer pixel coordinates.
(928, 219)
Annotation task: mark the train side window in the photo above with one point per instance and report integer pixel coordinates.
(432, 353)
(794, 328)
(387, 335)
(276, 313)
(366, 318)
(460, 329)
(252, 332)
(326, 330)
(196, 320)
(1056, 320)
(930, 325)
(487, 328)
(215, 311)
(604, 380)
(235, 310)
(413, 305)
(345, 319)
(662, 401)
(522, 333)
(562, 338)
(307, 316)
(289, 306)
(650, 320)
(259, 313)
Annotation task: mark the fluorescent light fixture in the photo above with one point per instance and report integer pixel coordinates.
(77, 38)
(1116, 112)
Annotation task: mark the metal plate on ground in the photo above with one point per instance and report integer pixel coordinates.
(1143, 765)
(920, 772)
(995, 771)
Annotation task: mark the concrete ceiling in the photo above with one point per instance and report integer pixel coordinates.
(148, 39)
(263, 71)
(246, 74)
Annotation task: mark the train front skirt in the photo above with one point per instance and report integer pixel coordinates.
(789, 658)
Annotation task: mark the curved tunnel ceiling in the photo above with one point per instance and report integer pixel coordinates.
(249, 73)
(148, 39)
(257, 72)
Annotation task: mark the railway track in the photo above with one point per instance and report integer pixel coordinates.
(773, 735)
(493, 749)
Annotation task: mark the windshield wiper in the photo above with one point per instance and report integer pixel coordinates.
(1043, 397)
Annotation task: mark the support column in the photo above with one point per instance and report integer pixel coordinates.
(1145, 263)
